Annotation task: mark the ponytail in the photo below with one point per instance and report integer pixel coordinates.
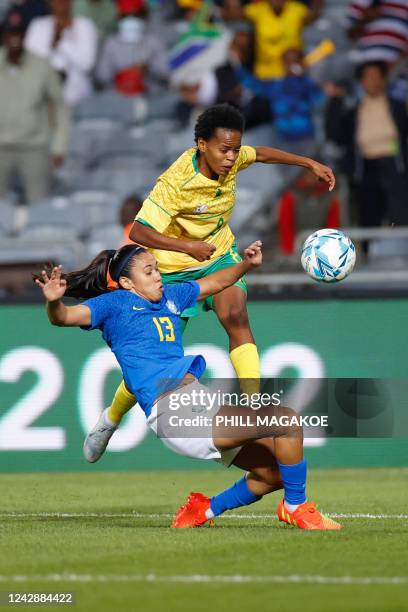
(100, 276)
(92, 280)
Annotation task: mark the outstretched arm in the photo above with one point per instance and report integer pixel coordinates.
(267, 155)
(216, 282)
(53, 288)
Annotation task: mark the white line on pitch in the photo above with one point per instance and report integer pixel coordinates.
(205, 578)
(137, 515)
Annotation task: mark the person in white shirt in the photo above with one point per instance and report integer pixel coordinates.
(70, 44)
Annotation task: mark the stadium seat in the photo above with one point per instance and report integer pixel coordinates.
(386, 248)
(97, 134)
(51, 233)
(72, 172)
(8, 213)
(69, 253)
(145, 140)
(58, 211)
(97, 206)
(107, 104)
(258, 136)
(103, 237)
(250, 205)
(124, 175)
(80, 143)
(162, 105)
(177, 143)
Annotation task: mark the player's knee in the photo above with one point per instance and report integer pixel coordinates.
(290, 418)
(235, 316)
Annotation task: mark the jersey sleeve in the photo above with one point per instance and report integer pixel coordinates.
(246, 157)
(160, 206)
(100, 308)
(184, 295)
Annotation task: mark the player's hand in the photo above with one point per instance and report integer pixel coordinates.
(324, 173)
(53, 287)
(253, 254)
(200, 250)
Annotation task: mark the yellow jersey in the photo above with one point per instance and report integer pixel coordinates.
(275, 34)
(186, 205)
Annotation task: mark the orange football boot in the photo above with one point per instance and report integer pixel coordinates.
(192, 513)
(306, 516)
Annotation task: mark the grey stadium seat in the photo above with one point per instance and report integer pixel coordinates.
(7, 213)
(103, 237)
(107, 105)
(69, 253)
(59, 211)
(97, 206)
(50, 233)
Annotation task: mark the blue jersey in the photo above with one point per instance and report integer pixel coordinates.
(146, 338)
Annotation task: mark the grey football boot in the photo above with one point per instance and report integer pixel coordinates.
(98, 438)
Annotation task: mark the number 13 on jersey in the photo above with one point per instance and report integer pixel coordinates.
(165, 328)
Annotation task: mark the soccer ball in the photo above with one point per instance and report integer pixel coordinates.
(328, 255)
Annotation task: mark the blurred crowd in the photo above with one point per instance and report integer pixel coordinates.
(346, 106)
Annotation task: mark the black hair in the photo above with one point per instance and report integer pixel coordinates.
(218, 116)
(382, 67)
(93, 280)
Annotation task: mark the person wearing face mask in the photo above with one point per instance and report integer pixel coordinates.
(133, 54)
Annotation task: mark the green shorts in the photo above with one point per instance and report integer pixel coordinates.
(225, 261)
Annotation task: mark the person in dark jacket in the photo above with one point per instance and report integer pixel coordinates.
(374, 136)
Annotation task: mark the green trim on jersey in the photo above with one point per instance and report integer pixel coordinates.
(158, 205)
(143, 222)
(189, 180)
(225, 261)
(194, 160)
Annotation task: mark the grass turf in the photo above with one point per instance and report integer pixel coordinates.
(144, 544)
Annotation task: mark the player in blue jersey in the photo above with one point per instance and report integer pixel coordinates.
(140, 322)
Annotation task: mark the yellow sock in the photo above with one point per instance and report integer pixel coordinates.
(122, 402)
(245, 360)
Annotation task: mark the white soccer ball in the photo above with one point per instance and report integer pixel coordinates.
(328, 255)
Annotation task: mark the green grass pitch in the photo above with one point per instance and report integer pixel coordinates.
(106, 537)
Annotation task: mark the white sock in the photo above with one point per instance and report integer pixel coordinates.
(209, 513)
(108, 422)
(291, 507)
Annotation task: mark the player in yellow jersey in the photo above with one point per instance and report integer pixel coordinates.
(184, 222)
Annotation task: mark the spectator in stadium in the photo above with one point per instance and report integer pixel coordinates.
(28, 86)
(132, 55)
(70, 44)
(381, 29)
(230, 10)
(278, 26)
(228, 83)
(101, 12)
(128, 211)
(293, 99)
(28, 10)
(373, 133)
